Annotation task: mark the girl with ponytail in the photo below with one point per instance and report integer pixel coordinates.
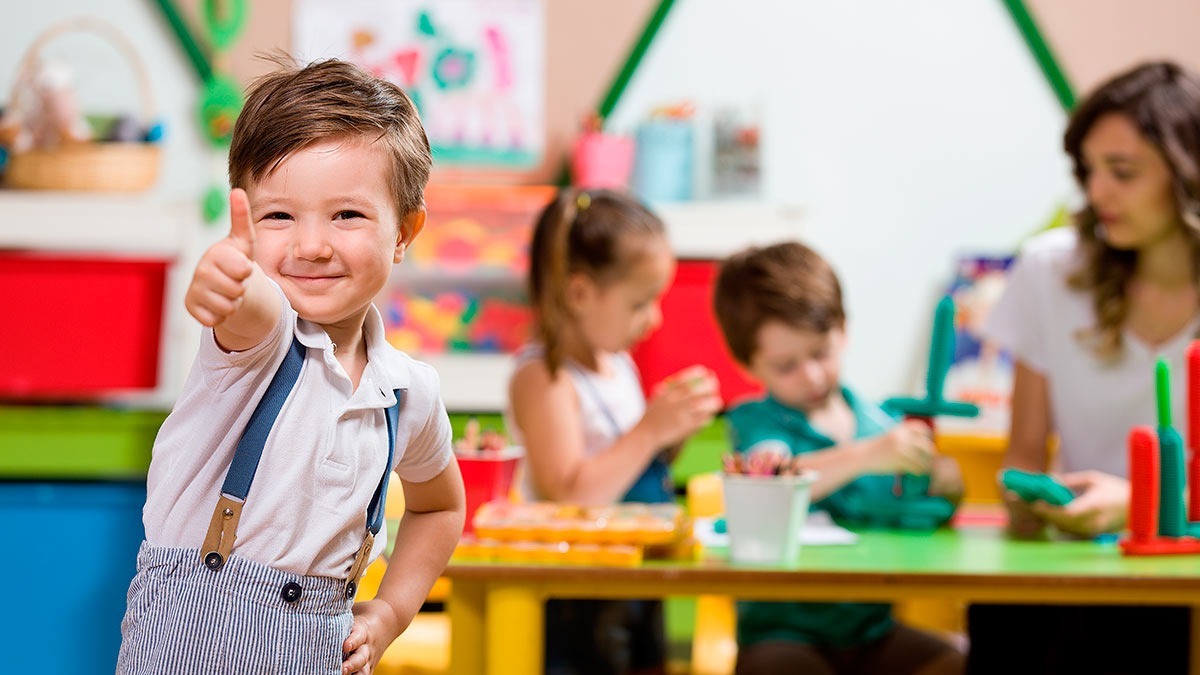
(599, 262)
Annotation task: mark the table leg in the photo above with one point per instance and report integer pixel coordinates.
(515, 630)
(468, 618)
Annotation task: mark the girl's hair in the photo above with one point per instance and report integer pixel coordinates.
(295, 106)
(1162, 100)
(589, 232)
(786, 282)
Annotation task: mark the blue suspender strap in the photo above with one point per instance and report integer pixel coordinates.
(375, 510)
(223, 527)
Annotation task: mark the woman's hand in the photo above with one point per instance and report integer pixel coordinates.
(1101, 504)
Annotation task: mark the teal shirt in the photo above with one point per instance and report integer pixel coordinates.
(840, 624)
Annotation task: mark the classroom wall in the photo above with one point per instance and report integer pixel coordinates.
(906, 132)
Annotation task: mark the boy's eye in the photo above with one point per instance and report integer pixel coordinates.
(346, 215)
(277, 215)
(1124, 175)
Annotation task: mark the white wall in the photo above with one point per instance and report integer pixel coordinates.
(908, 131)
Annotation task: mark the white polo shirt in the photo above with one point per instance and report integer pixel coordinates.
(1093, 405)
(306, 510)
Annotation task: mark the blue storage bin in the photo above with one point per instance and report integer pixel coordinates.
(662, 164)
(70, 551)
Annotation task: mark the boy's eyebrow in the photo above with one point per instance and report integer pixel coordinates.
(336, 200)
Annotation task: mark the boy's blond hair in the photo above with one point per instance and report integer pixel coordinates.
(294, 107)
(786, 282)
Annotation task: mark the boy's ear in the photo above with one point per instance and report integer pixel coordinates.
(410, 226)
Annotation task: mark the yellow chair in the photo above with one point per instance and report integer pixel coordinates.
(714, 637)
(424, 647)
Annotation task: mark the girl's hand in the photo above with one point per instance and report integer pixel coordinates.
(370, 635)
(905, 448)
(681, 405)
(1101, 504)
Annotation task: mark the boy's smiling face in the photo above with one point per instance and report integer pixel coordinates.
(801, 368)
(327, 228)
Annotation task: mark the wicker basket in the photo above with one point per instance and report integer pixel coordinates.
(100, 166)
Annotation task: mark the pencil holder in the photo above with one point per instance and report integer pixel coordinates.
(765, 517)
(121, 166)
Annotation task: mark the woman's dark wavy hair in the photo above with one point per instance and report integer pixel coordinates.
(1162, 100)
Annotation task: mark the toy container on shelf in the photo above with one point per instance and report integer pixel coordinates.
(487, 477)
(663, 160)
(80, 326)
(77, 590)
(601, 160)
(106, 165)
(765, 516)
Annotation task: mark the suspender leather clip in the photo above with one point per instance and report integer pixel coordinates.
(360, 564)
(222, 531)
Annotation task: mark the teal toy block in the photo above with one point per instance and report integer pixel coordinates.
(1031, 487)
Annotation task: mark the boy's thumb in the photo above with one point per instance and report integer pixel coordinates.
(241, 227)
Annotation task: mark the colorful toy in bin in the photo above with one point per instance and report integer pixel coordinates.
(487, 464)
(941, 354)
(1158, 524)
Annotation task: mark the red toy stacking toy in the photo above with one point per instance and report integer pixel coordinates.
(1157, 479)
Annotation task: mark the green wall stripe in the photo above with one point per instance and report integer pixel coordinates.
(1041, 52)
(193, 51)
(649, 31)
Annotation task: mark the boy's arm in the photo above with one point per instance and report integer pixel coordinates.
(229, 291)
(428, 532)
(905, 448)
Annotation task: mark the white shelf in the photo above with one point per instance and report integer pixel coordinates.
(100, 222)
(711, 230)
(472, 382)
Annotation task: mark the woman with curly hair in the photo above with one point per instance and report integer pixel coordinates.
(1087, 312)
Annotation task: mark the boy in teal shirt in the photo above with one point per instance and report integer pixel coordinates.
(780, 310)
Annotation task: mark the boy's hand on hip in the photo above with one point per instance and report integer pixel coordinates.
(369, 637)
(219, 283)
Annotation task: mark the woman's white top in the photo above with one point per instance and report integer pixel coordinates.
(1093, 405)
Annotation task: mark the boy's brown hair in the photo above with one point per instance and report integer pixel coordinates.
(786, 282)
(293, 107)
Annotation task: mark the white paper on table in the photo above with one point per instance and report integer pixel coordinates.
(819, 530)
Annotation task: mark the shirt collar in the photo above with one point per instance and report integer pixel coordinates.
(384, 372)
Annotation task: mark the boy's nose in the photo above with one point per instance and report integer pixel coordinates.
(312, 242)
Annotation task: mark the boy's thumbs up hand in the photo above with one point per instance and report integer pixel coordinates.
(241, 227)
(219, 284)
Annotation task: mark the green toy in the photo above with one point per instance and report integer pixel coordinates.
(1030, 487)
(1172, 521)
(941, 354)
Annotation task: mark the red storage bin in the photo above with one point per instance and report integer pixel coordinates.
(79, 326)
(689, 335)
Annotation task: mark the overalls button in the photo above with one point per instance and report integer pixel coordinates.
(291, 591)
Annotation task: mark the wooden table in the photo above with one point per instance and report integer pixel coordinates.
(496, 609)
